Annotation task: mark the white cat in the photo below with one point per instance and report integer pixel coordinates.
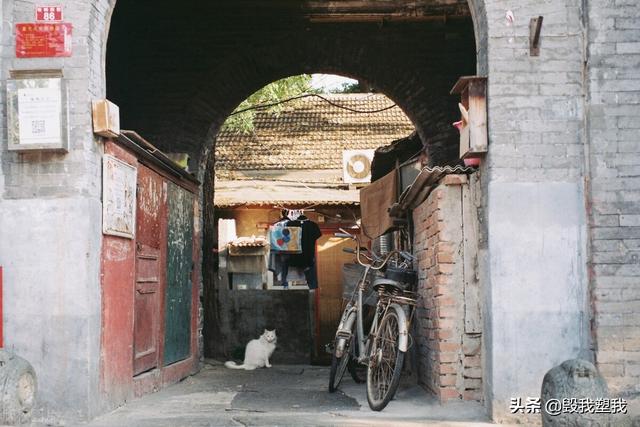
(257, 353)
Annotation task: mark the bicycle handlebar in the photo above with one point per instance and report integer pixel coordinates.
(407, 256)
(373, 260)
(345, 235)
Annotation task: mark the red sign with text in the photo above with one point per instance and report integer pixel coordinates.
(35, 40)
(49, 13)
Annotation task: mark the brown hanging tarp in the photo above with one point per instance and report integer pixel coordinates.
(375, 201)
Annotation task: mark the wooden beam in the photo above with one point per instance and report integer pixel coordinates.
(403, 7)
(472, 294)
(327, 18)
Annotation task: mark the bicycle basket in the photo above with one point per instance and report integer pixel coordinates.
(351, 274)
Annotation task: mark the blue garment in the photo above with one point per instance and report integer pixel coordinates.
(311, 274)
(279, 264)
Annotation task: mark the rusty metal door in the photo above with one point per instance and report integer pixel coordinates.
(150, 255)
(179, 267)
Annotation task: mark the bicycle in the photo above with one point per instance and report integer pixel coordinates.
(384, 347)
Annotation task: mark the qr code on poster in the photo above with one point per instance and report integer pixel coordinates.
(37, 127)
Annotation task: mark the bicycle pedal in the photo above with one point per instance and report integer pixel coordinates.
(329, 348)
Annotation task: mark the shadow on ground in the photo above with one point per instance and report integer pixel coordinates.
(291, 395)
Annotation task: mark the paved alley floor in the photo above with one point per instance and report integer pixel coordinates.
(292, 395)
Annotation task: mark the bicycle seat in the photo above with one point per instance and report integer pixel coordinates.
(407, 276)
(383, 282)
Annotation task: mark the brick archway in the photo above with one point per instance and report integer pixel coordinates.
(415, 64)
(418, 84)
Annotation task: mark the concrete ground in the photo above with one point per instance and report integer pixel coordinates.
(291, 395)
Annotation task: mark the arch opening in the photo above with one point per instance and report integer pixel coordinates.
(293, 159)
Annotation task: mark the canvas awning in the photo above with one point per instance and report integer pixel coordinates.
(260, 193)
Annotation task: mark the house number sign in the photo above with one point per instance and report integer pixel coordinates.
(49, 13)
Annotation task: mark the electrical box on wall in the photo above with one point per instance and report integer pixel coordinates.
(106, 118)
(473, 113)
(37, 111)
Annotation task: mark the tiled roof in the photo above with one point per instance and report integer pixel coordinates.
(310, 133)
(262, 193)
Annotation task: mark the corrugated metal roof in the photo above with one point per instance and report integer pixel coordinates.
(311, 134)
(426, 181)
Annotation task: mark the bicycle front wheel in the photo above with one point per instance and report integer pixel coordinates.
(339, 363)
(385, 363)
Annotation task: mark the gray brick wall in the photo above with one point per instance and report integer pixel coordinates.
(614, 163)
(535, 103)
(50, 175)
(536, 159)
(53, 300)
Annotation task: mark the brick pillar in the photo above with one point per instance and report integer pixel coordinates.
(449, 358)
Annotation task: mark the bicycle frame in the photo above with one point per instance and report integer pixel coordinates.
(346, 322)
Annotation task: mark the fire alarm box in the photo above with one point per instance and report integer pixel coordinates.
(106, 118)
(473, 115)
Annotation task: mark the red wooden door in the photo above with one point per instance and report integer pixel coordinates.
(147, 308)
(150, 272)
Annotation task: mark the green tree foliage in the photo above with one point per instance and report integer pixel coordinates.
(272, 93)
(356, 87)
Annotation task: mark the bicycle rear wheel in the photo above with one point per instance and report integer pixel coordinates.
(357, 370)
(385, 363)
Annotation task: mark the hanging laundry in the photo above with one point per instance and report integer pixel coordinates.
(306, 260)
(285, 238)
(295, 274)
(279, 265)
(310, 234)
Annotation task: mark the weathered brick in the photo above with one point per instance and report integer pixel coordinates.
(448, 368)
(611, 369)
(632, 343)
(472, 383)
(473, 373)
(448, 346)
(445, 258)
(447, 380)
(448, 393)
(630, 220)
(472, 362)
(471, 345)
(472, 395)
(455, 180)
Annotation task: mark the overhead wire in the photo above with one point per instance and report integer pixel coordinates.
(308, 95)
